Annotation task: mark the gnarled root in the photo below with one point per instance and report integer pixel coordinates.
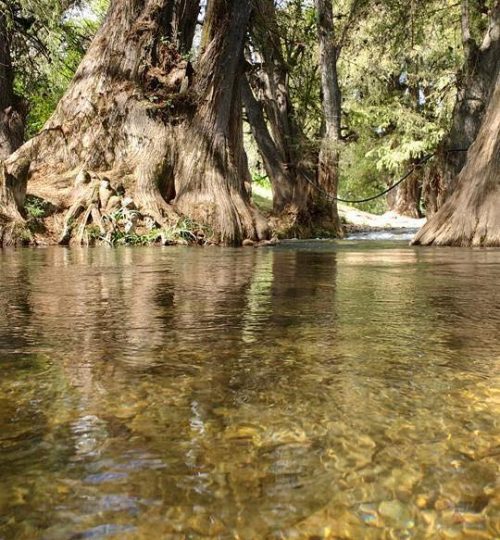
(13, 229)
(102, 212)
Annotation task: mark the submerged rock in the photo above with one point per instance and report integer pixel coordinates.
(396, 514)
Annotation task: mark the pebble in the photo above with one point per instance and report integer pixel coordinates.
(396, 513)
(471, 531)
(369, 515)
(423, 501)
(429, 518)
(443, 504)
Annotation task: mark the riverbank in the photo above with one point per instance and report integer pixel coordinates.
(354, 220)
(125, 225)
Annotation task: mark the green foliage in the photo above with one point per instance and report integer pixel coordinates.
(398, 76)
(121, 238)
(36, 207)
(185, 231)
(261, 179)
(360, 177)
(49, 39)
(397, 71)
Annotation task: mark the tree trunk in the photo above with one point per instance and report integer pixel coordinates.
(328, 169)
(275, 165)
(287, 156)
(184, 24)
(475, 87)
(11, 115)
(271, 117)
(405, 199)
(213, 169)
(134, 116)
(471, 216)
(291, 193)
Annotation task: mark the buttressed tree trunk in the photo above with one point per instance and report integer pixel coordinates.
(471, 216)
(213, 168)
(328, 170)
(476, 85)
(138, 124)
(290, 216)
(11, 116)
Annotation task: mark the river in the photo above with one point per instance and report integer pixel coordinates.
(306, 391)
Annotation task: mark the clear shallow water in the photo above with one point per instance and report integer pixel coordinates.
(313, 390)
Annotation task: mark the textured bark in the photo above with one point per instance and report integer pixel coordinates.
(405, 199)
(328, 170)
(112, 123)
(184, 23)
(290, 163)
(284, 187)
(271, 102)
(274, 166)
(471, 216)
(11, 114)
(137, 117)
(475, 87)
(212, 168)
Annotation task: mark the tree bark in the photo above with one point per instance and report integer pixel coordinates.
(290, 163)
(471, 216)
(272, 118)
(136, 118)
(213, 169)
(291, 193)
(184, 24)
(328, 170)
(475, 87)
(275, 165)
(11, 114)
(405, 199)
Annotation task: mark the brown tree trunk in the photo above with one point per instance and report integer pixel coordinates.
(11, 115)
(328, 170)
(271, 117)
(471, 216)
(405, 199)
(184, 24)
(475, 87)
(213, 169)
(274, 163)
(291, 192)
(137, 118)
(287, 156)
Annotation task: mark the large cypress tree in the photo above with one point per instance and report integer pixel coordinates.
(137, 115)
(471, 216)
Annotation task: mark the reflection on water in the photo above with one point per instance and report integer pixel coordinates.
(309, 391)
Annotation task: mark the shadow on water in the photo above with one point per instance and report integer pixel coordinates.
(312, 390)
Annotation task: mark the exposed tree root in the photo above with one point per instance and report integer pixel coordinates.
(140, 146)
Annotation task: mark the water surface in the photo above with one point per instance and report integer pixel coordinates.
(313, 390)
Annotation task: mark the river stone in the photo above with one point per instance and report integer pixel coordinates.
(443, 504)
(369, 515)
(396, 513)
(429, 518)
(476, 531)
(423, 501)
(451, 533)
